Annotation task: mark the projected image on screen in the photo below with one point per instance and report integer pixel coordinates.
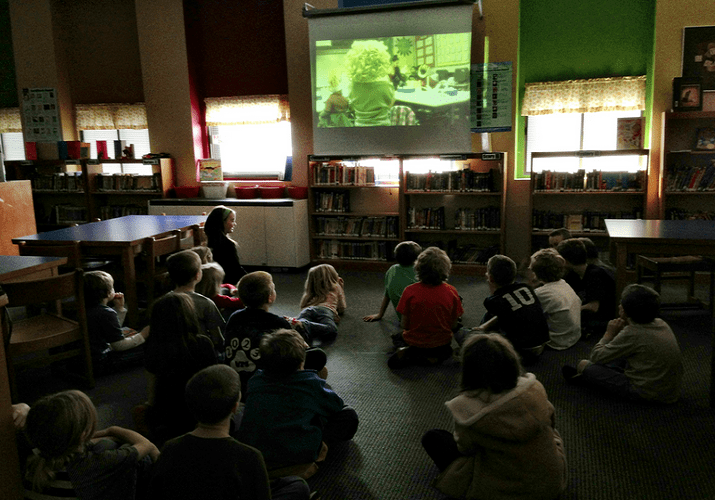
(405, 81)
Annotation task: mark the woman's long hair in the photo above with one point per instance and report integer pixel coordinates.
(214, 225)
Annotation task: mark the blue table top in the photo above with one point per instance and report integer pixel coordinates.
(122, 230)
(12, 266)
(675, 230)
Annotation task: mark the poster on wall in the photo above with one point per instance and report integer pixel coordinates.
(42, 115)
(491, 97)
(699, 54)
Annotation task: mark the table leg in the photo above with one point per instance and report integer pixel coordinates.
(131, 298)
(621, 261)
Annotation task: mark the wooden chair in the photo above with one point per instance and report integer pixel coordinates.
(70, 250)
(35, 340)
(681, 268)
(152, 266)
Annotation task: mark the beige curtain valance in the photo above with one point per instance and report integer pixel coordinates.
(10, 120)
(111, 116)
(247, 110)
(625, 93)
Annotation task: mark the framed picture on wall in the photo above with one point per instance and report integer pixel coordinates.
(687, 94)
(699, 54)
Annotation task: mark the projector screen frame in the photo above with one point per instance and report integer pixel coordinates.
(308, 13)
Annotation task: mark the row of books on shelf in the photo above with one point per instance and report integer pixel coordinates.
(68, 214)
(127, 182)
(380, 227)
(690, 178)
(463, 254)
(339, 173)
(596, 180)
(332, 201)
(478, 219)
(353, 250)
(113, 211)
(589, 220)
(59, 181)
(425, 218)
(682, 214)
(456, 180)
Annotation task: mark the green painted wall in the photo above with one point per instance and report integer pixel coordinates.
(8, 87)
(568, 40)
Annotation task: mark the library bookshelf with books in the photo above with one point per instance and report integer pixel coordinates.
(688, 165)
(578, 190)
(67, 192)
(361, 207)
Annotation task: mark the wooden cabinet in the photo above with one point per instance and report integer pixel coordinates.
(270, 232)
(688, 168)
(578, 190)
(68, 192)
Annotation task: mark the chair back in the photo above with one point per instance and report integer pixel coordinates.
(69, 249)
(165, 245)
(53, 288)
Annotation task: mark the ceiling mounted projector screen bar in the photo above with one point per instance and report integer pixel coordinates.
(392, 80)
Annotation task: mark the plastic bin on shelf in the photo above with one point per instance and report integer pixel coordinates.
(271, 191)
(214, 189)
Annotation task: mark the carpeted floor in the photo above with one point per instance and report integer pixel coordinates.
(615, 450)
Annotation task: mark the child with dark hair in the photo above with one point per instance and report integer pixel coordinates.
(112, 463)
(223, 295)
(218, 228)
(291, 414)
(558, 300)
(505, 444)
(246, 328)
(204, 253)
(112, 346)
(185, 272)
(592, 257)
(209, 463)
(398, 277)
(514, 310)
(638, 357)
(558, 235)
(176, 349)
(594, 286)
(430, 312)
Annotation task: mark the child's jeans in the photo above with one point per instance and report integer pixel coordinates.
(319, 322)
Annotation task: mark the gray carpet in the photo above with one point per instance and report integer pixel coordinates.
(615, 450)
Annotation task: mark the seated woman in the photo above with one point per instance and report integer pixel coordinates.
(219, 225)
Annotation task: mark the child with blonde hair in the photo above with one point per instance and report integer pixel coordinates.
(204, 253)
(430, 312)
(109, 463)
(322, 303)
(224, 295)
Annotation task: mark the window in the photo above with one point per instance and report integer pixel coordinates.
(12, 146)
(114, 122)
(250, 135)
(580, 115)
(140, 139)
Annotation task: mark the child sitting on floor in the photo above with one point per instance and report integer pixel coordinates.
(225, 296)
(398, 277)
(558, 300)
(430, 312)
(209, 463)
(246, 327)
(112, 346)
(291, 415)
(504, 443)
(109, 463)
(514, 310)
(638, 357)
(204, 253)
(323, 302)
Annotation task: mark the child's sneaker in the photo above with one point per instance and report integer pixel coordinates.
(398, 341)
(296, 325)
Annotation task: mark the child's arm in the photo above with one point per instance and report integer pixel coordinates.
(142, 444)
(19, 415)
(342, 305)
(118, 306)
(383, 308)
(490, 325)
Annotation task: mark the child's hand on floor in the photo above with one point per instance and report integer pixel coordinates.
(372, 317)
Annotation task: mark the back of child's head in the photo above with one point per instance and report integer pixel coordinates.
(282, 352)
(489, 362)
(254, 289)
(97, 287)
(212, 393)
(558, 235)
(573, 251)
(183, 267)
(433, 266)
(406, 253)
(547, 265)
(320, 281)
(211, 279)
(591, 248)
(502, 270)
(59, 426)
(173, 317)
(640, 303)
(204, 253)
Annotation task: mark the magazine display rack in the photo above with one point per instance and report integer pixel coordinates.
(688, 165)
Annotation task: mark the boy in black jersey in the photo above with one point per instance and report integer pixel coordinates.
(514, 310)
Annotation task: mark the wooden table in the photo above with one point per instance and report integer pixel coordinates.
(13, 268)
(661, 237)
(121, 237)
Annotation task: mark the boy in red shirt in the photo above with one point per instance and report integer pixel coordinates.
(430, 312)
